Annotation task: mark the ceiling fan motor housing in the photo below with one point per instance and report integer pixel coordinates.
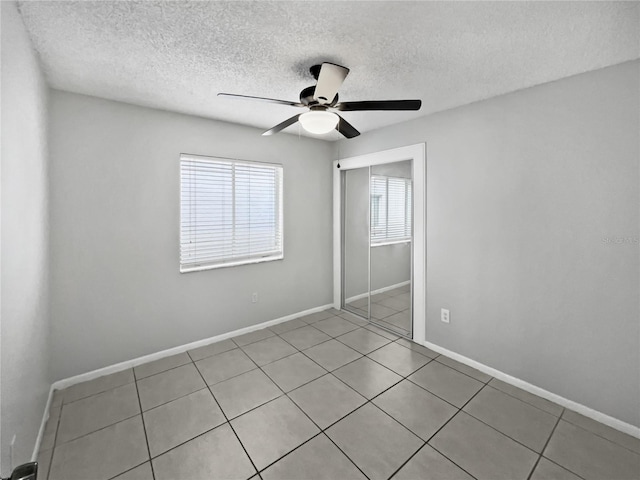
(306, 98)
(315, 71)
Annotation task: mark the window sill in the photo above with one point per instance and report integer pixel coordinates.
(391, 242)
(199, 268)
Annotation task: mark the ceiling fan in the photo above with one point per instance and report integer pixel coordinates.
(322, 101)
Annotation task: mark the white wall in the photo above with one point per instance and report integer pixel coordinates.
(116, 290)
(523, 191)
(24, 242)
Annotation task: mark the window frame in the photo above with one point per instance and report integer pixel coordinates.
(233, 261)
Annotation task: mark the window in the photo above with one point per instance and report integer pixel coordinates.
(390, 210)
(230, 212)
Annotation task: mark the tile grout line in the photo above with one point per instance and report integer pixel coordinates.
(425, 442)
(491, 426)
(524, 401)
(227, 421)
(257, 367)
(405, 335)
(284, 394)
(446, 423)
(597, 434)
(498, 431)
(162, 371)
(383, 411)
(98, 429)
(182, 443)
(429, 391)
(101, 391)
(384, 366)
(509, 436)
(376, 320)
(321, 432)
(367, 400)
(364, 354)
(300, 386)
(533, 469)
(130, 469)
(559, 466)
(173, 399)
(242, 350)
(342, 451)
(296, 405)
(463, 373)
(144, 426)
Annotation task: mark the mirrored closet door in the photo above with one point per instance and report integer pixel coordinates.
(355, 238)
(377, 244)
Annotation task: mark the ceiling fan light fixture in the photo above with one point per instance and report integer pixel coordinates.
(319, 122)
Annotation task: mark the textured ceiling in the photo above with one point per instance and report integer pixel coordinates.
(179, 55)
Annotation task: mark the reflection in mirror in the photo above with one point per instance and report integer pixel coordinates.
(355, 228)
(391, 234)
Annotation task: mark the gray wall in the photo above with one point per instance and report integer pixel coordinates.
(116, 290)
(24, 242)
(523, 193)
(390, 265)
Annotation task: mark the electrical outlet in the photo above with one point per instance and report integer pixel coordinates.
(444, 315)
(254, 297)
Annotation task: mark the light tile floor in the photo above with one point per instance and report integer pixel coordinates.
(391, 309)
(325, 396)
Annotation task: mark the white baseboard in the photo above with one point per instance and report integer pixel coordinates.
(380, 290)
(565, 402)
(67, 382)
(43, 423)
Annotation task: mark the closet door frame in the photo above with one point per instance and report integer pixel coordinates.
(416, 153)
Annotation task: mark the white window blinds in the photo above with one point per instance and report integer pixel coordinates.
(390, 209)
(230, 212)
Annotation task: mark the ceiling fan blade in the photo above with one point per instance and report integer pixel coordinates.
(329, 80)
(282, 126)
(379, 105)
(262, 99)
(346, 129)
